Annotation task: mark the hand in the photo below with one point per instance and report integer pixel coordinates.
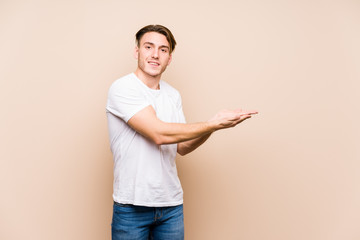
(231, 118)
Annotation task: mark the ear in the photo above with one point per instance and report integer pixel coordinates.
(136, 52)
(169, 61)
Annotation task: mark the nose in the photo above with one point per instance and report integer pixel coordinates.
(155, 53)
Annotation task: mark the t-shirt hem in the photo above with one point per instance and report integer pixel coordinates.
(138, 109)
(127, 117)
(146, 204)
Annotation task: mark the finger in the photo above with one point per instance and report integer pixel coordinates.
(242, 118)
(249, 112)
(239, 110)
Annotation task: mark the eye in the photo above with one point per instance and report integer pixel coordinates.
(164, 50)
(147, 47)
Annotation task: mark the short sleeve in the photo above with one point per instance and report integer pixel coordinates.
(180, 110)
(125, 99)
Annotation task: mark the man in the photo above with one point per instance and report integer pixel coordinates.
(147, 128)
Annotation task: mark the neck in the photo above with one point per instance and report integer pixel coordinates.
(150, 81)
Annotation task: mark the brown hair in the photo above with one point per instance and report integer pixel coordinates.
(159, 29)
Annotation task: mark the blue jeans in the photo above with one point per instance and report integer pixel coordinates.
(142, 223)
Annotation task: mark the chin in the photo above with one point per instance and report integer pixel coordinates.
(154, 74)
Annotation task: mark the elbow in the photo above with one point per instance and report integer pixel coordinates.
(182, 150)
(158, 139)
(181, 153)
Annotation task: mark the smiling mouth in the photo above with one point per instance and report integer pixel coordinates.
(154, 63)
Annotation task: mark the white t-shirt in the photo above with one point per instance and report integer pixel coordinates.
(145, 174)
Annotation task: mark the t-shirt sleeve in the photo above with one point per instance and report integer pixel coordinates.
(125, 101)
(180, 109)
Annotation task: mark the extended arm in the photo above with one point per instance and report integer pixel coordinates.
(147, 124)
(189, 146)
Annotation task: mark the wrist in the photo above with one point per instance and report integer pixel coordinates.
(213, 125)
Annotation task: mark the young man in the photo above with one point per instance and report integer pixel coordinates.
(147, 128)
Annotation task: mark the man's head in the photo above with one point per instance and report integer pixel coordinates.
(159, 29)
(154, 45)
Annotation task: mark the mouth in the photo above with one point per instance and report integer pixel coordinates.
(156, 64)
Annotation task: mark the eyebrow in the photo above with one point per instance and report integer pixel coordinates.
(152, 44)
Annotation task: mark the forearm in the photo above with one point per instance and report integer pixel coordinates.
(147, 124)
(190, 145)
(193, 134)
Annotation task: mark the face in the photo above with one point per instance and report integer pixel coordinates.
(153, 54)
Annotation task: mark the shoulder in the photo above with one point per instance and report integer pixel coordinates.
(126, 81)
(124, 86)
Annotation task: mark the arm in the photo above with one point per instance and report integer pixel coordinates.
(189, 146)
(147, 124)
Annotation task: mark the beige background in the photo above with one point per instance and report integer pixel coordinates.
(290, 173)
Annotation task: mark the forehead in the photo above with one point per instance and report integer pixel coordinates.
(155, 38)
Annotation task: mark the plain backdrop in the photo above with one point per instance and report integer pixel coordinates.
(289, 173)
